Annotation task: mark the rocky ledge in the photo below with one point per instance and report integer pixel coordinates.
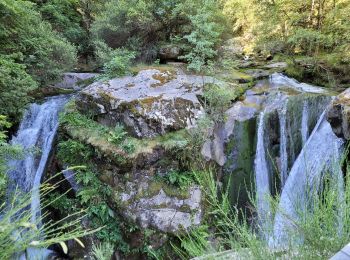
(153, 102)
(338, 115)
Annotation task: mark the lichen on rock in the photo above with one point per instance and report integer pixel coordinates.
(153, 102)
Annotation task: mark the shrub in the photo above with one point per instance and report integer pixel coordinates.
(218, 99)
(204, 36)
(120, 63)
(15, 84)
(178, 179)
(45, 53)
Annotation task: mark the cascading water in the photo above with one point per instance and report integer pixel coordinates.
(321, 151)
(297, 111)
(304, 123)
(283, 146)
(37, 130)
(262, 179)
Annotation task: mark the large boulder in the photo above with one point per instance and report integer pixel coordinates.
(153, 102)
(170, 53)
(156, 205)
(338, 115)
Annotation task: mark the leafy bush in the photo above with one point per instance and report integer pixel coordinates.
(65, 17)
(145, 25)
(45, 54)
(15, 84)
(71, 151)
(204, 36)
(178, 179)
(218, 99)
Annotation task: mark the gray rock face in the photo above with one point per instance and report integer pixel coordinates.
(71, 80)
(163, 212)
(338, 115)
(170, 52)
(151, 103)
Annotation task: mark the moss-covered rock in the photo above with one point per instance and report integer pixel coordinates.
(154, 102)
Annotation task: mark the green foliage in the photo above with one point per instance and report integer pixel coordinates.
(103, 251)
(115, 62)
(218, 99)
(93, 194)
(204, 37)
(24, 35)
(181, 180)
(15, 84)
(119, 64)
(327, 219)
(145, 25)
(118, 136)
(16, 220)
(65, 17)
(7, 152)
(71, 151)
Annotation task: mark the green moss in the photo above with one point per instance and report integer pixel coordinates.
(162, 68)
(239, 172)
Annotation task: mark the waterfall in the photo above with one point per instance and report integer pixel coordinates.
(262, 180)
(37, 130)
(320, 152)
(304, 122)
(283, 146)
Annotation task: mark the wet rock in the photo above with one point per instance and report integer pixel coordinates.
(153, 102)
(338, 115)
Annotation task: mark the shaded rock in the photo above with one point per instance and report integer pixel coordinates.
(338, 115)
(170, 53)
(258, 73)
(151, 205)
(75, 81)
(151, 103)
(276, 65)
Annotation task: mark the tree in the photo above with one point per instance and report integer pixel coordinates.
(45, 53)
(204, 36)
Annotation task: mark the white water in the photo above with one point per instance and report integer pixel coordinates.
(283, 145)
(262, 181)
(304, 123)
(278, 79)
(321, 151)
(37, 130)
